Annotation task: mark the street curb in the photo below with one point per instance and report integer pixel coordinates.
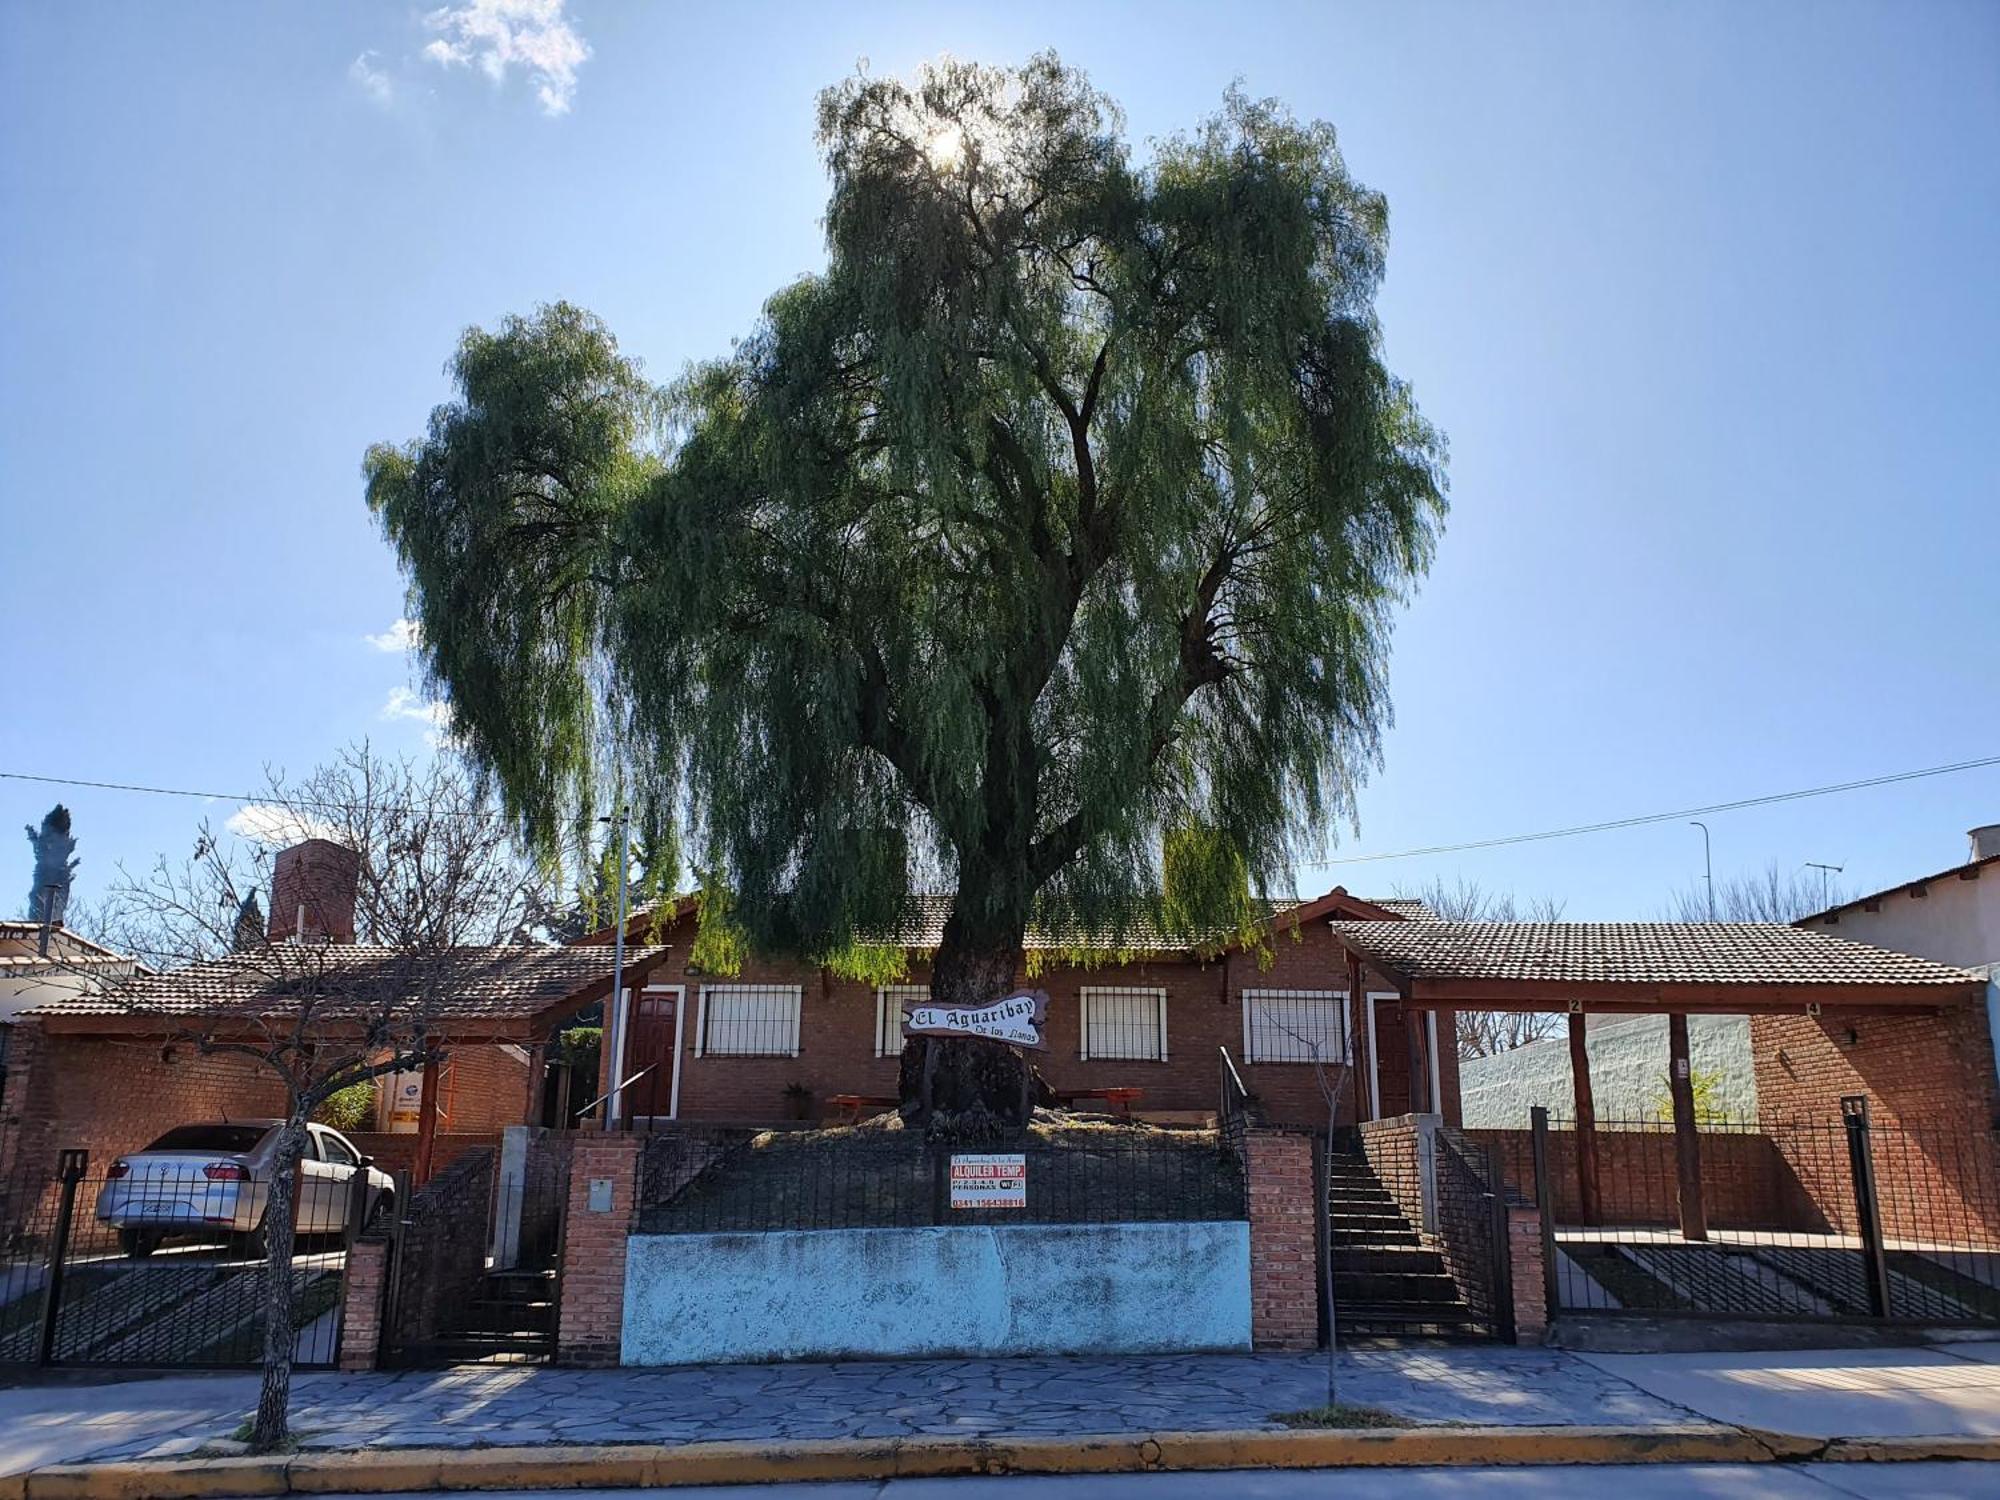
(1909, 1449)
(646, 1466)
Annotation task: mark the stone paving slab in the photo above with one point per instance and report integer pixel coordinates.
(478, 1406)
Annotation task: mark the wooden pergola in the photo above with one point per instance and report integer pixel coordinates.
(1640, 968)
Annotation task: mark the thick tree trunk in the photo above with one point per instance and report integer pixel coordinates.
(966, 1088)
(274, 1397)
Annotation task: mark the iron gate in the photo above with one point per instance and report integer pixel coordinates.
(75, 1290)
(1816, 1220)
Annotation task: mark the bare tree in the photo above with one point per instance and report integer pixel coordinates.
(1482, 1033)
(1772, 894)
(435, 872)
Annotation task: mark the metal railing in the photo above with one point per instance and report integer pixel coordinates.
(437, 1260)
(1841, 1219)
(100, 1265)
(1470, 1217)
(1232, 1113)
(709, 1182)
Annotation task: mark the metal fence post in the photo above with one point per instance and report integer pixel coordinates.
(1867, 1206)
(1545, 1195)
(71, 1165)
(1503, 1248)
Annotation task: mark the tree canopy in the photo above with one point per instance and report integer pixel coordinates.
(1042, 548)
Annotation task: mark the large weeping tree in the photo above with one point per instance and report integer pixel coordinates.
(1042, 547)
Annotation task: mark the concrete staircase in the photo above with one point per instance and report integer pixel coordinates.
(1386, 1284)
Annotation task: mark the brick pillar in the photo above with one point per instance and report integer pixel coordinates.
(1531, 1289)
(592, 1314)
(361, 1305)
(1284, 1256)
(27, 1103)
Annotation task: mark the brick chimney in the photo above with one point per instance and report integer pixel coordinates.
(1985, 840)
(312, 892)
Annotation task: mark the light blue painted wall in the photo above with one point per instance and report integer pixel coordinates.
(1008, 1289)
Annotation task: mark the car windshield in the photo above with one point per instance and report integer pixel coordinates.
(210, 1138)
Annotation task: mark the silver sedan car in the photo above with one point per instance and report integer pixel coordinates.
(214, 1179)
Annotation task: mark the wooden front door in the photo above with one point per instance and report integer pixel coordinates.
(651, 1046)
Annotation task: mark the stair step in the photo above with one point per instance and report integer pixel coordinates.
(1394, 1259)
(1428, 1288)
(1376, 1239)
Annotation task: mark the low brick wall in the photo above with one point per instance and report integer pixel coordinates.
(1746, 1181)
(591, 1312)
(361, 1305)
(1530, 1274)
(1284, 1240)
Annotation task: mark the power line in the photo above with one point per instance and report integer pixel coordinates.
(1667, 817)
(276, 797)
(284, 799)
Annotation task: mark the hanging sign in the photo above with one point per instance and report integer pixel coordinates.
(1015, 1018)
(989, 1181)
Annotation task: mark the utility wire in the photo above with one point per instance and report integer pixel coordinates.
(286, 799)
(1667, 817)
(275, 797)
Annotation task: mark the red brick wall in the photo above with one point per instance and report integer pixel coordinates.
(1746, 1181)
(361, 1305)
(398, 1153)
(109, 1094)
(1936, 1066)
(591, 1313)
(1530, 1280)
(1284, 1247)
(1204, 1013)
(1932, 1098)
(483, 1089)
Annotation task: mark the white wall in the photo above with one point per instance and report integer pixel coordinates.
(1628, 1071)
(1955, 921)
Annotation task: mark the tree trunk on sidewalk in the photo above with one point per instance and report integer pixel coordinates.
(272, 1426)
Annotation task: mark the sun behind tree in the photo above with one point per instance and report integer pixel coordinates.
(1054, 528)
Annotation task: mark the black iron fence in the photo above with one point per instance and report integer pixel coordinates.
(696, 1182)
(1471, 1229)
(1851, 1218)
(161, 1265)
(437, 1261)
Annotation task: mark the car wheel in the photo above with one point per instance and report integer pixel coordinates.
(138, 1243)
(256, 1244)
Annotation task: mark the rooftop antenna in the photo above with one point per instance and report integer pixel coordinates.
(1707, 866)
(1826, 872)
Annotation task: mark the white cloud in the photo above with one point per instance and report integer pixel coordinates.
(405, 704)
(401, 636)
(267, 823)
(371, 80)
(497, 35)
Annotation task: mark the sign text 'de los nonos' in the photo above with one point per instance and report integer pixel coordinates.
(990, 1181)
(1015, 1018)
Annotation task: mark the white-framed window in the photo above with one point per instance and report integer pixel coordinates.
(890, 1002)
(1126, 1023)
(1286, 1026)
(748, 1020)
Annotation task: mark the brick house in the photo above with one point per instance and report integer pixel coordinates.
(110, 1066)
(706, 1047)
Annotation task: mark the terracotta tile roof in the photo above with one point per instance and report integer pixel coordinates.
(1637, 953)
(497, 984)
(1410, 909)
(922, 928)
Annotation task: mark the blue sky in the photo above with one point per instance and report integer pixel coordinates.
(1704, 297)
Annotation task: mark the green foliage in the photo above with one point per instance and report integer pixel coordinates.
(1708, 1104)
(1062, 516)
(351, 1108)
(720, 943)
(578, 1042)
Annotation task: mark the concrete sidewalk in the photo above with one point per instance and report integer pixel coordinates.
(1926, 1392)
(1544, 1395)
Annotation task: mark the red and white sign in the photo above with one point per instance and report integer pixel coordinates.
(989, 1181)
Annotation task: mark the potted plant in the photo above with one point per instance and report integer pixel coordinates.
(798, 1101)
